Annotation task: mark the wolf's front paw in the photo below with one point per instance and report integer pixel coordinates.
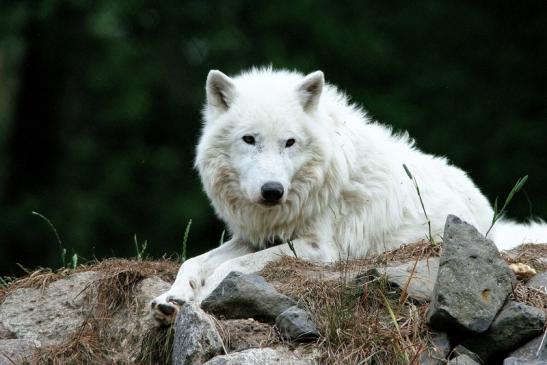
(164, 308)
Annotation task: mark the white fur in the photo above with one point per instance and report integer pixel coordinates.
(346, 193)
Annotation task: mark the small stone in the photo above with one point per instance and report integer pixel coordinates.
(517, 361)
(196, 337)
(437, 351)
(522, 271)
(473, 281)
(296, 324)
(539, 282)
(531, 350)
(463, 360)
(461, 350)
(266, 356)
(515, 324)
(418, 277)
(246, 295)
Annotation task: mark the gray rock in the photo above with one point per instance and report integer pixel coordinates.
(296, 324)
(246, 296)
(515, 324)
(518, 361)
(266, 356)
(417, 277)
(51, 314)
(17, 351)
(473, 281)
(196, 337)
(539, 281)
(463, 360)
(531, 350)
(437, 351)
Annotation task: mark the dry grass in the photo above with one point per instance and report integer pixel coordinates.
(359, 323)
(372, 323)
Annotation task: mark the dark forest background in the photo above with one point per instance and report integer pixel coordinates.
(100, 104)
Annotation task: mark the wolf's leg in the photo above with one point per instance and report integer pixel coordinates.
(306, 249)
(192, 276)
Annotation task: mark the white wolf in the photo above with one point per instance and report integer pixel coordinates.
(285, 157)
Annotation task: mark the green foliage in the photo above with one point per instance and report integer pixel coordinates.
(499, 213)
(184, 254)
(429, 236)
(59, 241)
(291, 247)
(100, 103)
(140, 249)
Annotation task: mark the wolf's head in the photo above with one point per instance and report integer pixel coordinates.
(262, 134)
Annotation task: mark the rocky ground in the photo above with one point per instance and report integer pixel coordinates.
(456, 303)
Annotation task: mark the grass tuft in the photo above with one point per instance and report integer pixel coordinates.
(185, 241)
(499, 213)
(429, 237)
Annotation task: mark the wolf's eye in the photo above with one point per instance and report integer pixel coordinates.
(289, 142)
(249, 139)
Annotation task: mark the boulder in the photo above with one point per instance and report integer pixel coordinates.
(16, 351)
(196, 337)
(266, 356)
(473, 281)
(296, 324)
(246, 296)
(50, 314)
(515, 324)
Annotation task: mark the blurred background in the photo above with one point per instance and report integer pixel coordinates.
(100, 104)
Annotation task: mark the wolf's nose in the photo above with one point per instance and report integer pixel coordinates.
(272, 192)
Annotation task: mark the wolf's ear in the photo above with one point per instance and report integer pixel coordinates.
(220, 90)
(309, 90)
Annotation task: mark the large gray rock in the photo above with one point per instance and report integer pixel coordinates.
(196, 337)
(50, 314)
(463, 360)
(531, 350)
(296, 324)
(473, 281)
(266, 356)
(246, 296)
(515, 324)
(417, 277)
(17, 351)
(437, 350)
